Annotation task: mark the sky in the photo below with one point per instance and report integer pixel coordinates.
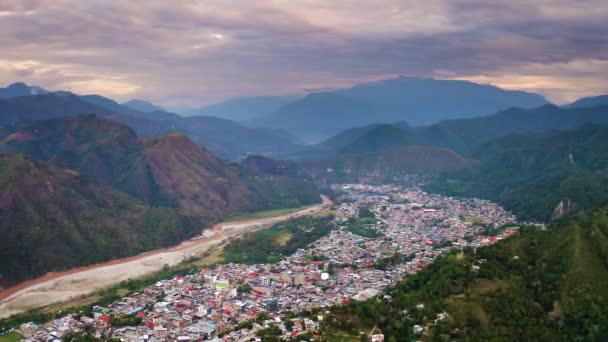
(188, 53)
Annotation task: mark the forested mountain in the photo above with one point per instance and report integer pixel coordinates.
(52, 218)
(109, 176)
(538, 285)
(218, 135)
(385, 163)
(532, 173)
(169, 170)
(462, 135)
(417, 101)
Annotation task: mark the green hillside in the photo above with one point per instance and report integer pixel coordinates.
(123, 188)
(170, 170)
(538, 285)
(52, 218)
(531, 174)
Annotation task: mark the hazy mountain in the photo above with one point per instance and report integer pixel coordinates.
(319, 115)
(102, 102)
(414, 100)
(218, 135)
(46, 106)
(142, 106)
(52, 219)
(243, 109)
(20, 89)
(422, 101)
(589, 102)
(379, 138)
(461, 135)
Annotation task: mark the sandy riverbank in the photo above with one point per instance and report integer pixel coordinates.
(63, 286)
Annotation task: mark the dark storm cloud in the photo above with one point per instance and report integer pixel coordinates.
(188, 52)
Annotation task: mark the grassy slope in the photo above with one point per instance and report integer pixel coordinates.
(11, 337)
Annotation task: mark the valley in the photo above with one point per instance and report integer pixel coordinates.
(66, 285)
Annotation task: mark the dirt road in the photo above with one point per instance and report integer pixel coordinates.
(63, 286)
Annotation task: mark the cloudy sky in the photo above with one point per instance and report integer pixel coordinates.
(184, 53)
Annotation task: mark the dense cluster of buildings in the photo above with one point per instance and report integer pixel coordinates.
(234, 302)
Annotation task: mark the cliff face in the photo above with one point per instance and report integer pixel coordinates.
(562, 208)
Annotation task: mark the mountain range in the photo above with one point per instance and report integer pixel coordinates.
(213, 133)
(417, 101)
(142, 106)
(589, 102)
(182, 186)
(245, 110)
(460, 135)
(533, 174)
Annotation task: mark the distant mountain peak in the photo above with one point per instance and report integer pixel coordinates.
(18, 89)
(142, 106)
(590, 102)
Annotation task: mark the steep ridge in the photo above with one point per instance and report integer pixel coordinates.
(532, 173)
(169, 170)
(385, 163)
(124, 195)
(463, 135)
(52, 218)
(214, 133)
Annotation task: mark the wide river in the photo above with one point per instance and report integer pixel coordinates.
(67, 285)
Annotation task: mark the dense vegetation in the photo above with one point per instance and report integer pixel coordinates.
(362, 227)
(460, 135)
(273, 244)
(531, 174)
(120, 195)
(536, 285)
(90, 222)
